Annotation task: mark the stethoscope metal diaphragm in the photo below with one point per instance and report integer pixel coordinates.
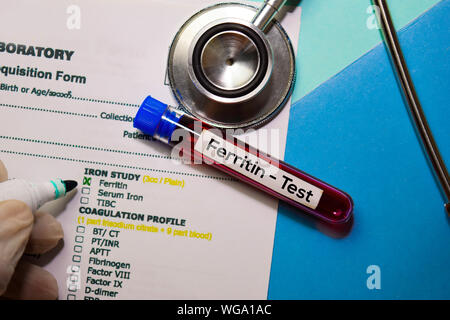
(226, 71)
(230, 60)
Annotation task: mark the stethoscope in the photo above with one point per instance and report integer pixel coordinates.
(232, 65)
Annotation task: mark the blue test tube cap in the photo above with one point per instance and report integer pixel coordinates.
(149, 115)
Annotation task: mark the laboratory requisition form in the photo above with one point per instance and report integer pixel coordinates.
(141, 223)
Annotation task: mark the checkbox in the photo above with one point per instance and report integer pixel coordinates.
(76, 258)
(84, 200)
(74, 269)
(71, 297)
(77, 249)
(86, 190)
(80, 229)
(79, 239)
(74, 279)
(72, 287)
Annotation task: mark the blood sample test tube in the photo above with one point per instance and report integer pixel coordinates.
(198, 142)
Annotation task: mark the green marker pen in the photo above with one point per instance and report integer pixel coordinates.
(35, 194)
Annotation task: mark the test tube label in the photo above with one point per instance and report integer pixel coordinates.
(226, 153)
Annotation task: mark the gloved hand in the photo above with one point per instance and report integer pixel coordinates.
(21, 232)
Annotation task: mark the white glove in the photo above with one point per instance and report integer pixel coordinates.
(21, 232)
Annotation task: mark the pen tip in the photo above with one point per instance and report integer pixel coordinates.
(70, 185)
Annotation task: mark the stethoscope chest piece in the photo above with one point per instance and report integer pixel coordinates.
(228, 72)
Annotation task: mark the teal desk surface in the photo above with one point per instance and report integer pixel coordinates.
(354, 132)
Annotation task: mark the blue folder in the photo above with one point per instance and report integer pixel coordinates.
(354, 132)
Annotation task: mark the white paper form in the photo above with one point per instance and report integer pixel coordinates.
(140, 225)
